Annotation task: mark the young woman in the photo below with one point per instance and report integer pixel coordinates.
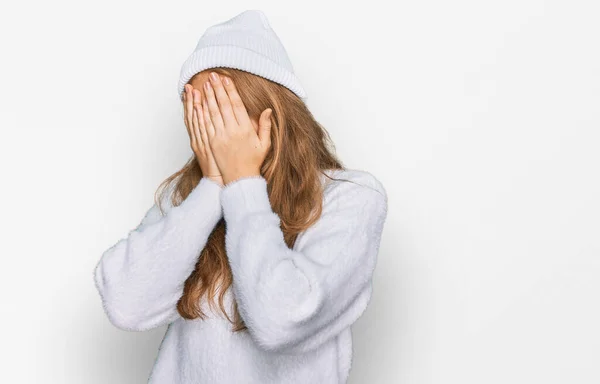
(259, 253)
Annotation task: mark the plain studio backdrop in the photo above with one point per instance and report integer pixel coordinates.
(480, 118)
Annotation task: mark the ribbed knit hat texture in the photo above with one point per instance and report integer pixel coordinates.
(246, 42)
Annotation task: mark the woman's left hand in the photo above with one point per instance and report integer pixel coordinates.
(238, 148)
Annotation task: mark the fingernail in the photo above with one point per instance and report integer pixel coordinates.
(213, 76)
(226, 80)
(207, 85)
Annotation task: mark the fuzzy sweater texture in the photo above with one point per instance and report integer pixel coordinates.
(298, 303)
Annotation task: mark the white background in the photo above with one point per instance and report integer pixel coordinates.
(481, 118)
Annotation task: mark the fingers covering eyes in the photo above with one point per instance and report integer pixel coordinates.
(196, 128)
(188, 105)
(223, 102)
(210, 129)
(235, 101)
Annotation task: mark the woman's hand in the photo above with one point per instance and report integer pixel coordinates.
(239, 148)
(194, 123)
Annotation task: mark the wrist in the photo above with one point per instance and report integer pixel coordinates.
(216, 179)
(228, 179)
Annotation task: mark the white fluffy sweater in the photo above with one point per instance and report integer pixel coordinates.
(298, 304)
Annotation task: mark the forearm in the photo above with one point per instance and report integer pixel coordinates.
(295, 298)
(141, 277)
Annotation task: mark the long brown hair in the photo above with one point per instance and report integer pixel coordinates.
(301, 150)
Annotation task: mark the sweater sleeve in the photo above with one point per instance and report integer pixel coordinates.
(140, 278)
(294, 300)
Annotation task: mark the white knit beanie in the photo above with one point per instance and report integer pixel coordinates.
(246, 42)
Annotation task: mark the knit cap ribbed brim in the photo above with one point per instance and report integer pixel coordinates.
(245, 42)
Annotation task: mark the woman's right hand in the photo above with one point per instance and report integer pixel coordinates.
(194, 123)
